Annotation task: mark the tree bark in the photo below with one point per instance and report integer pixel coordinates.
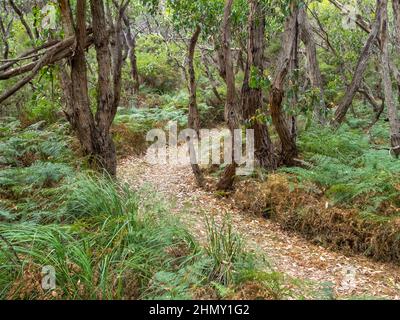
(94, 130)
(387, 82)
(377, 107)
(396, 22)
(194, 116)
(252, 97)
(82, 118)
(210, 76)
(55, 53)
(232, 107)
(288, 142)
(396, 15)
(66, 18)
(131, 41)
(359, 20)
(5, 29)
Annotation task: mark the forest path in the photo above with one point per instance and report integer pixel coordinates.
(288, 252)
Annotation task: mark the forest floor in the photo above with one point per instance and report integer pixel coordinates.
(289, 253)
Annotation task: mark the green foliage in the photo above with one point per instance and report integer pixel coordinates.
(144, 119)
(45, 102)
(274, 282)
(225, 248)
(187, 14)
(349, 168)
(344, 144)
(118, 244)
(38, 175)
(104, 240)
(90, 196)
(109, 244)
(22, 146)
(155, 66)
(35, 161)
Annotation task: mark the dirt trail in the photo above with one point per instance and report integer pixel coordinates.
(287, 252)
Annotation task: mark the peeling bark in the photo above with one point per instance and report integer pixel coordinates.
(93, 130)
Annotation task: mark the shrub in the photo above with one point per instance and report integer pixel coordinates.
(155, 67)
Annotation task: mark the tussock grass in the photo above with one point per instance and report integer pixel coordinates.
(115, 247)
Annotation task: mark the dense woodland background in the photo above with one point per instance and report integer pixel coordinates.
(81, 84)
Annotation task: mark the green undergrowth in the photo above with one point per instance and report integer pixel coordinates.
(105, 241)
(132, 124)
(351, 168)
(347, 195)
(113, 243)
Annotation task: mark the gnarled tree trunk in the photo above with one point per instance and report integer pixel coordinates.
(252, 97)
(93, 130)
(232, 107)
(288, 142)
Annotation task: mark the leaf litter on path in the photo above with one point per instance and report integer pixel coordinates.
(289, 253)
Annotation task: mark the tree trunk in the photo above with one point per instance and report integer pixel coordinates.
(396, 22)
(387, 82)
(232, 107)
(5, 28)
(294, 83)
(252, 97)
(131, 41)
(194, 117)
(314, 72)
(81, 118)
(360, 69)
(396, 15)
(288, 142)
(93, 131)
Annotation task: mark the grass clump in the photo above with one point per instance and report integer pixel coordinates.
(116, 244)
